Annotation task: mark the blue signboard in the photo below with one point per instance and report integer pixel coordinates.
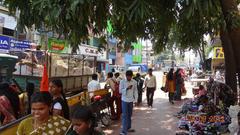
(8, 43)
(4, 43)
(19, 45)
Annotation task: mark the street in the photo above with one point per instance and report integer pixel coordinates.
(158, 120)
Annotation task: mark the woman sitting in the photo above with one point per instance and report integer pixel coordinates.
(41, 122)
(83, 122)
(201, 91)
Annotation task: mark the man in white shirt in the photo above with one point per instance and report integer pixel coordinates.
(150, 84)
(128, 89)
(94, 84)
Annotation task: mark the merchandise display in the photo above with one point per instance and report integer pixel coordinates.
(209, 114)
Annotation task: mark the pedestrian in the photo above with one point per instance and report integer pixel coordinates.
(128, 89)
(170, 85)
(151, 84)
(117, 76)
(117, 95)
(41, 122)
(83, 122)
(60, 106)
(110, 84)
(93, 85)
(179, 85)
(140, 82)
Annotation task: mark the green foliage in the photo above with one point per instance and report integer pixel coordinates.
(168, 23)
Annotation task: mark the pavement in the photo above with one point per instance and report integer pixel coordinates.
(158, 120)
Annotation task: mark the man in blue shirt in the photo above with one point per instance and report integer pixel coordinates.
(128, 89)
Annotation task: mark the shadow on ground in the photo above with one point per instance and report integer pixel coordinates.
(158, 120)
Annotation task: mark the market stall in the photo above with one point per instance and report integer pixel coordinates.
(207, 114)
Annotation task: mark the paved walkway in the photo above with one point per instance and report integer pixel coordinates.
(158, 120)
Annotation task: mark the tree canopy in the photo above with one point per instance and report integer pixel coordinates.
(181, 23)
(165, 22)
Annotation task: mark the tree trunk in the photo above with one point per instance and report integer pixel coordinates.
(230, 66)
(230, 12)
(201, 52)
(203, 56)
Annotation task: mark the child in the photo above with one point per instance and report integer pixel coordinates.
(83, 122)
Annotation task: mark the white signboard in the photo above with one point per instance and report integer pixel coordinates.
(88, 50)
(9, 21)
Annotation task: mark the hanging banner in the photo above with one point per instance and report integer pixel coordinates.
(57, 46)
(218, 53)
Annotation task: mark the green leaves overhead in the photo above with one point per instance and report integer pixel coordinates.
(195, 19)
(165, 22)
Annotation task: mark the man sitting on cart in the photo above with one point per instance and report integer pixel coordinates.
(93, 85)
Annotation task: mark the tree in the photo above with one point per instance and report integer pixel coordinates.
(159, 20)
(232, 31)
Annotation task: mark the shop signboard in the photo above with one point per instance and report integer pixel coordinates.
(137, 53)
(57, 46)
(4, 44)
(88, 50)
(9, 43)
(218, 53)
(16, 45)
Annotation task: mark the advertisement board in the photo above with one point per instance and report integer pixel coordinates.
(137, 53)
(218, 53)
(57, 46)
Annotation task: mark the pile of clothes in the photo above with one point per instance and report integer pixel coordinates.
(207, 114)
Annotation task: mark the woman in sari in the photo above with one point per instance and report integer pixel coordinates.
(170, 85)
(41, 122)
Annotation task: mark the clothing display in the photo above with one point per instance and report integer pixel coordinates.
(208, 113)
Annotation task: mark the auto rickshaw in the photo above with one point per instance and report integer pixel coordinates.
(7, 67)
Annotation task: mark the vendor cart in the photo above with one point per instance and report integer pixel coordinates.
(74, 70)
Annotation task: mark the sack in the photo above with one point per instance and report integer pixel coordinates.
(164, 89)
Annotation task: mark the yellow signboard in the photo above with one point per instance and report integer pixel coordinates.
(218, 53)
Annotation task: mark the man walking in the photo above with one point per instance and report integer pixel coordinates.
(140, 81)
(150, 84)
(128, 89)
